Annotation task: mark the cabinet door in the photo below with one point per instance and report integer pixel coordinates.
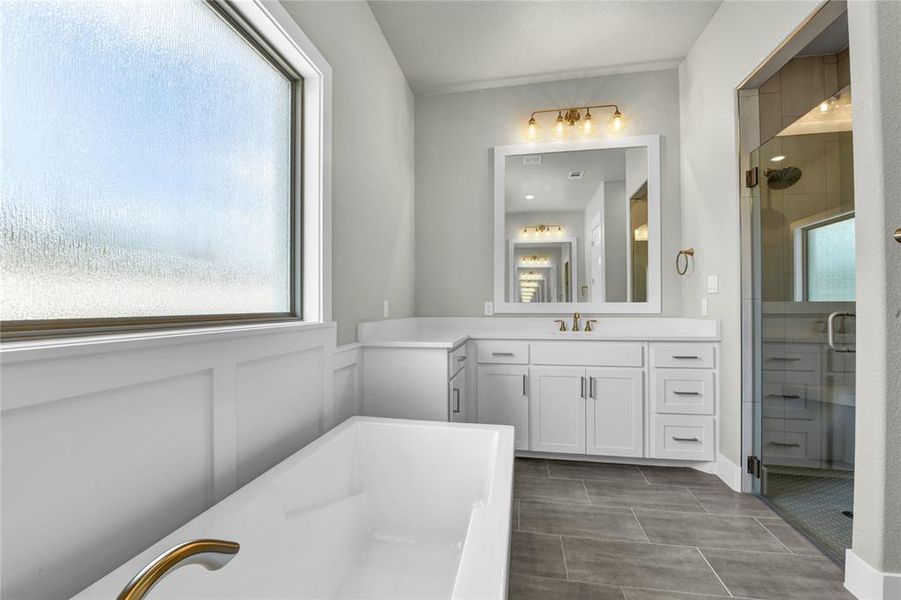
(457, 397)
(615, 412)
(503, 399)
(557, 409)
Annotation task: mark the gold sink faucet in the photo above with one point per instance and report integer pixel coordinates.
(588, 327)
(576, 317)
(212, 554)
(562, 325)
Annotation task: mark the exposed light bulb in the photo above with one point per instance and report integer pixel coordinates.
(778, 158)
(530, 196)
(824, 106)
(561, 129)
(616, 123)
(533, 130)
(588, 126)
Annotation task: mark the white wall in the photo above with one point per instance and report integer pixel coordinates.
(455, 134)
(372, 164)
(738, 38)
(110, 443)
(615, 229)
(875, 30)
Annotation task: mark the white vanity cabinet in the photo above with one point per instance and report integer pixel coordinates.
(557, 409)
(615, 412)
(577, 397)
(425, 383)
(683, 402)
(504, 399)
(648, 392)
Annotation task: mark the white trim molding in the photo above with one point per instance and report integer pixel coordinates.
(729, 472)
(866, 583)
(347, 371)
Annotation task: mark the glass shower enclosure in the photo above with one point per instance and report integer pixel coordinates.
(803, 303)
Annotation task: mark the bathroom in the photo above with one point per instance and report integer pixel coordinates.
(434, 299)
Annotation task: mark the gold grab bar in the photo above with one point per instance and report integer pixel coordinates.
(212, 554)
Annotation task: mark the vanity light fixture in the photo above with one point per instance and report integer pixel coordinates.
(535, 260)
(531, 276)
(543, 229)
(567, 118)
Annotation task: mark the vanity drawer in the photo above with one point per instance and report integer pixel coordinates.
(778, 358)
(456, 360)
(503, 352)
(791, 448)
(588, 354)
(683, 437)
(684, 356)
(684, 391)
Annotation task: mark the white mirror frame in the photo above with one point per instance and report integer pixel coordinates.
(652, 143)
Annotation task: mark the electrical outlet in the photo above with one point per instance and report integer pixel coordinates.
(489, 309)
(703, 307)
(713, 284)
(386, 312)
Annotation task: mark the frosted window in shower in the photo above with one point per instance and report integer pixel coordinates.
(146, 164)
(830, 261)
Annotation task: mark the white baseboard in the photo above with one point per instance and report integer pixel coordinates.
(866, 583)
(729, 472)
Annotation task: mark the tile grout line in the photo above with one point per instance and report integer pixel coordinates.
(717, 575)
(640, 526)
(547, 466)
(563, 554)
(518, 515)
(765, 528)
(587, 494)
(692, 494)
(643, 476)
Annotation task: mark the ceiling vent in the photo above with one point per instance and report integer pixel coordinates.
(576, 174)
(531, 159)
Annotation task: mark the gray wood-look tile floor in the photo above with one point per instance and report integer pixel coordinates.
(599, 531)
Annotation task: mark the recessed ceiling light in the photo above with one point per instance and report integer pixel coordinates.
(530, 196)
(778, 158)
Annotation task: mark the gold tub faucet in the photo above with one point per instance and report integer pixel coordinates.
(212, 554)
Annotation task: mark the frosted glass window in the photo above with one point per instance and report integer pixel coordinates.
(830, 261)
(146, 164)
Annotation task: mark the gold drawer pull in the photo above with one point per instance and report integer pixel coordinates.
(786, 444)
(686, 439)
(679, 393)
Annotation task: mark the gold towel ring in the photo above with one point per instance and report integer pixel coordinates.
(682, 267)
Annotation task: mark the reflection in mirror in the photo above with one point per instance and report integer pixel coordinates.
(576, 226)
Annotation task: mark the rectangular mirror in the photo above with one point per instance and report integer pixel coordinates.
(577, 226)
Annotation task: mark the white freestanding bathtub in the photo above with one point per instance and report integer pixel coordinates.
(375, 508)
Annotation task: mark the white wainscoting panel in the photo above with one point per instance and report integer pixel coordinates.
(110, 443)
(348, 386)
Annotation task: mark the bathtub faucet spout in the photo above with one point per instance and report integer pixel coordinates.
(212, 554)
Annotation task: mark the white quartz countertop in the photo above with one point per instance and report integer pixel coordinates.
(451, 332)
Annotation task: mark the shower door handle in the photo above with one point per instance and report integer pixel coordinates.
(830, 331)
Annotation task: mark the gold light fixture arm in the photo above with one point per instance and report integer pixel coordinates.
(212, 554)
(566, 110)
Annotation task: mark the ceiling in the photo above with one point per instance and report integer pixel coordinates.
(549, 182)
(448, 46)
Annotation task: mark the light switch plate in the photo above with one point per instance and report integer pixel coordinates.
(713, 284)
(489, 309)
(386, 312)
(703, 307)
